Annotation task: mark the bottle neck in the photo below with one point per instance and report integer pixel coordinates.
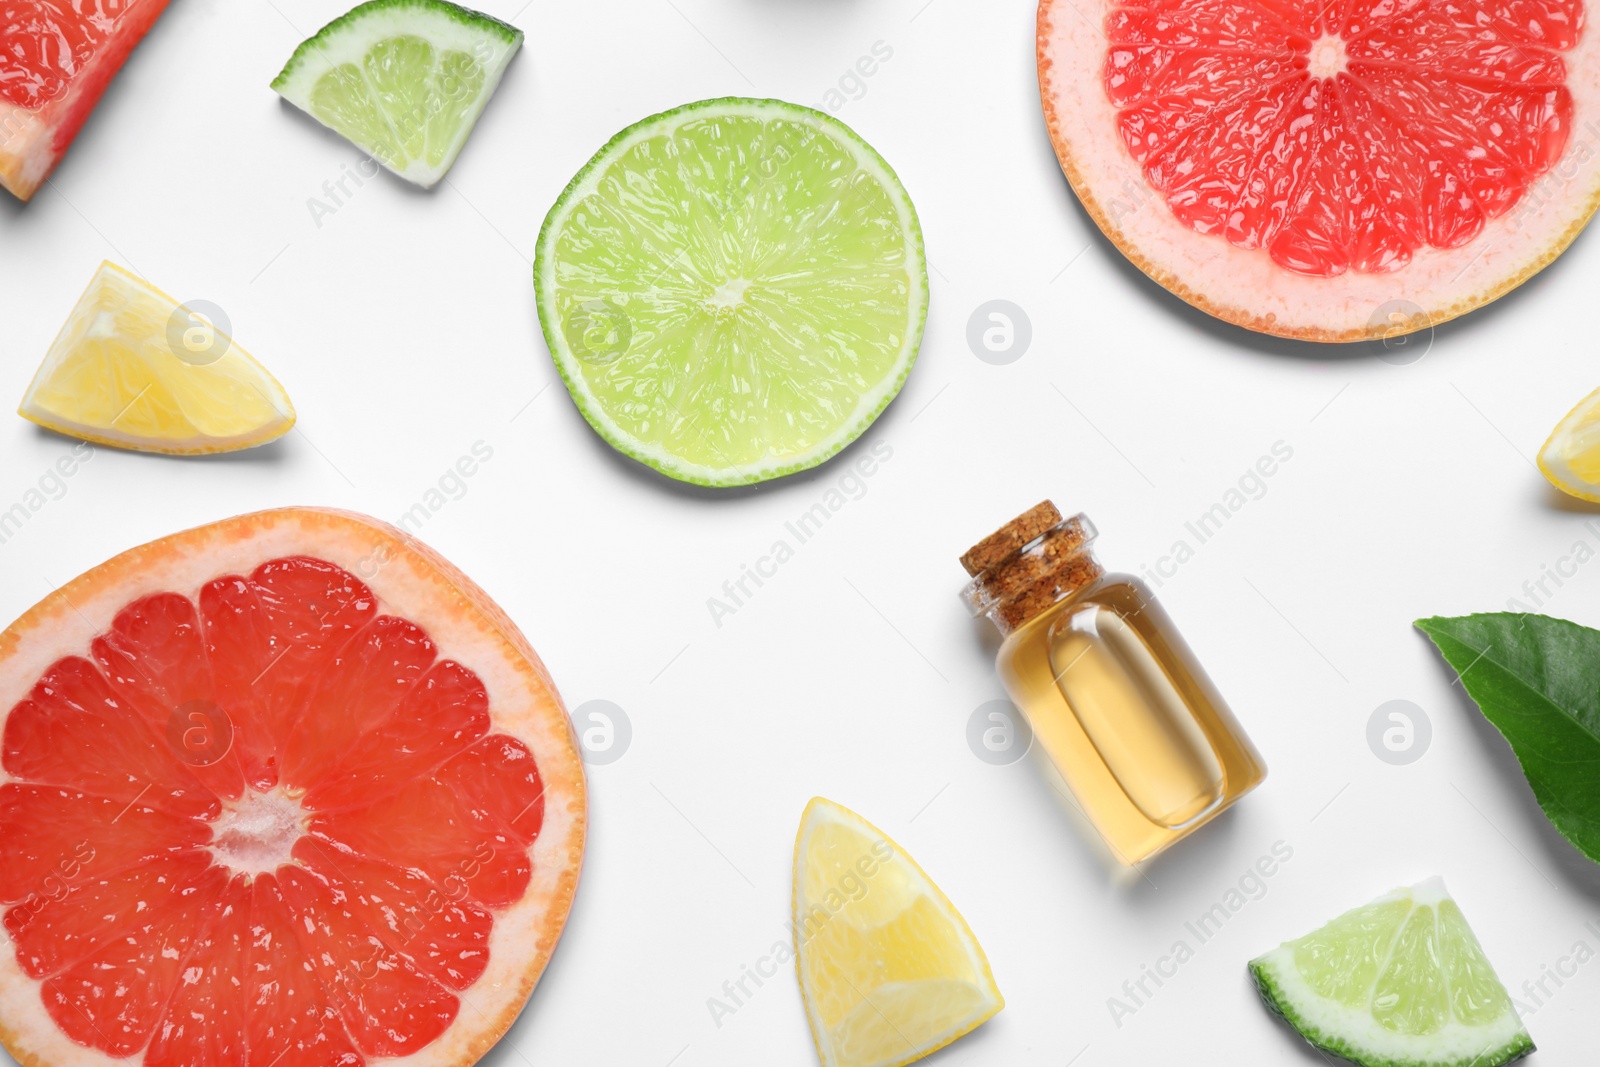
(1017, 587)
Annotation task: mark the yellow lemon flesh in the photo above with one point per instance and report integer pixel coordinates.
(134, 369)
(1571, 458)
(889, 970)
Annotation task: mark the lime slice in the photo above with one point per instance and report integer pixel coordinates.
(1401, 982)
(404, 79)
(733, 290)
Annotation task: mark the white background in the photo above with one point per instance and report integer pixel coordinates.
(404, 328)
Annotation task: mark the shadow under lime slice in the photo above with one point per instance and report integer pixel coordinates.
(733, 290)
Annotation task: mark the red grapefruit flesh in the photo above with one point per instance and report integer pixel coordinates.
(287, 790)
(56, 59)
(1333, 170)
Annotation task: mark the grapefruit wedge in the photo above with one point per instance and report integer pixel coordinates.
(56, 59)
(1328, 171)
(281, 791)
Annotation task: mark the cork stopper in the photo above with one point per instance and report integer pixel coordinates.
(1028, 564)
(1010, 537)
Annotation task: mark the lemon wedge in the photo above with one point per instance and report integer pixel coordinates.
(133, 368)
(889, 970)
(1571, 458)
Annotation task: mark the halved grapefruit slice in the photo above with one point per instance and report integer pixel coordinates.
(56, 59)
(1328, 171)
(282, 791)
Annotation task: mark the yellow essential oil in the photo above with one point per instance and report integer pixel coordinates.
(1110, 688)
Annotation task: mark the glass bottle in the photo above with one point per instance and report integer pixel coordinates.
(1109, 687)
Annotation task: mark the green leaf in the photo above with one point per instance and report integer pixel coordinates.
(1537, 679)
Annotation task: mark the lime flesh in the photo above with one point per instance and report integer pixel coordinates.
(733, 290)
(1399, 982)
(404, 79)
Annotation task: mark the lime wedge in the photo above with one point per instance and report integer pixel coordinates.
(1400, 982)
(733, 290)
(404, 79)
